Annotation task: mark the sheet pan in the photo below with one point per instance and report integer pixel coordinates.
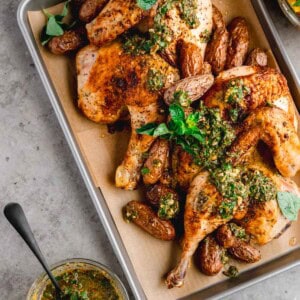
(218, 289)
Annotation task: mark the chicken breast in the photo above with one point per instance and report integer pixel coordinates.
(109, 80)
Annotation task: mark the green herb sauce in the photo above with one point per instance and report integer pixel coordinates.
(83, 285)
(231, 272)
(168, 207)
(238, 232)
(155, 80)
(234, 95)
(188, 10)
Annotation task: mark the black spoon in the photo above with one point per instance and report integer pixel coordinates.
(15, 215)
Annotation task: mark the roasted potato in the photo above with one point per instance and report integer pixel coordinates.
(70, 41)
(225, 237)
(217, 18)
(231, 237)
(245, 252)
(216, 50)
(238, 43)
(165, 199)
(195, 86)
(143, 216)
(155, 163)
(190, 60)
(209, 257)
(90, 9)
(257, 57)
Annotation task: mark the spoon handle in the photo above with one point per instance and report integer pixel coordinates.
(15, 215)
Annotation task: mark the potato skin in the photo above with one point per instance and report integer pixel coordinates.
(208, 257)
(225, 237)
(238, 43)
(245, 252)
(154, 194)
(195, 86)
(257, 57)
(143, 216)
(217, 18)
(216, 51)
(156, 161)
(70, 41)
(190, 60)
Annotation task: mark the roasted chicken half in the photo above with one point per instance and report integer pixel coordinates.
(276, 127)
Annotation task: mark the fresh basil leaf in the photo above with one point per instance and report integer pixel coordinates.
(289, 204)
(146, 4)
(176, 113)
(53, 28)
(147, 129)
(193, 119)
(161, 129)
(44, 37)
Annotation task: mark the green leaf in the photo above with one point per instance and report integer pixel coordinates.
(145, 171)
(161, 129)
(53, 28)
(146, 4)
(147, 129)
(176, 113)
(297, 3)
(193, 119)
(289, 204)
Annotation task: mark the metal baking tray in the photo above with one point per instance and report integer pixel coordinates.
(218, 290)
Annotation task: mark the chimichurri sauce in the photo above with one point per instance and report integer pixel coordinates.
(83, 285)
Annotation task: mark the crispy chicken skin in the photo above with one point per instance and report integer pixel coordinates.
(116, 17)
(200, 219)
(273, 127)
(109, 79)
(266, 86)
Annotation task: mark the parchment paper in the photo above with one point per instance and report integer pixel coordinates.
(151, 258)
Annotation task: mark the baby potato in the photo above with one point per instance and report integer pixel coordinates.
(90, 9)
(238, 43)
(190, 60)
(143, 216)
(70, 41)
(257, 57)
(216, 50)
(245, 252)
(209, 257)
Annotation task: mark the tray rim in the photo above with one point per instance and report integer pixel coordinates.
(95, 193)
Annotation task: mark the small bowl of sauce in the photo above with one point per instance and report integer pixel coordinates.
(291, 9)
(79, 279)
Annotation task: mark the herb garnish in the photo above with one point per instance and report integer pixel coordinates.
(146, 4)
(297, 3)
(238, 232)
(188, 10)
(168, 207)
(231, 272)
(234, 95)
(145, 171)
(155, 80)
(55, 25)
(289, 204)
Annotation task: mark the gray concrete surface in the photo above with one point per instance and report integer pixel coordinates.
(38, 170)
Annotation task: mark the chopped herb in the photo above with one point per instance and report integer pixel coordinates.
(234, 114)
(226, 208)
(205, 36)
(182, 98)
(168, 206)
(188, 10)
(145, 171)
(155, 80)
(238, 232)
(261, 188)
(146, 4)
(231, 272)
(289, 205)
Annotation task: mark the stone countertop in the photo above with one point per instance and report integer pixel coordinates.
(38, 170)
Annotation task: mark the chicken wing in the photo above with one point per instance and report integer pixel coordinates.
(116, 17)
(261, 86)
(273, 127)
